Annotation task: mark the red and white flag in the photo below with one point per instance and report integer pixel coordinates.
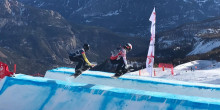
(150, 55)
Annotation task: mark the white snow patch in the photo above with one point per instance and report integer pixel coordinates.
(201, 1)
(90, 15)
(111, 13)
(204, 47)
(203, 71)
(217, 2)
(201, 64)
(22, 11)
(208, 31)
(79, 9)
(41, 4)
(167, 43)
(88, 21)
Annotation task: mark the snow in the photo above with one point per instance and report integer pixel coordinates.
(97, 90)
(47, 94)
(165, 82)
(201, 1)
(22, 11)
(208, 31)
(204, 47)
(88, 21)
(41, 4)
(112, 13)
(217, 2)
(207, 72)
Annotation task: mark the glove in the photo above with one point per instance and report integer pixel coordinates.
(126, 67)
(13, 75)
(93, 65)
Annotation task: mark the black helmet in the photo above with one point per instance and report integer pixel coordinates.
(86, 47)
(128, 46)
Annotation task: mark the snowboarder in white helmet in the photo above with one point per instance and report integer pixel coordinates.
(119, 57)
(80, 57)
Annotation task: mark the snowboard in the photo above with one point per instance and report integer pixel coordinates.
(116, 76)
(78, 73)
(121, 72)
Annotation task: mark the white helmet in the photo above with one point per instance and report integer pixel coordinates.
(128, 46)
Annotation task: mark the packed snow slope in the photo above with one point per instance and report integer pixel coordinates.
(98, 91)
(199, 71)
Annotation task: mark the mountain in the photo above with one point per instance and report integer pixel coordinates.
(104, 41)
(130, 16)
(37, 40)
(188, 42)
(198, 40)
(32, 38)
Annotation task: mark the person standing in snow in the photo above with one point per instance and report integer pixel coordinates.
(119, 57)
(80, 57)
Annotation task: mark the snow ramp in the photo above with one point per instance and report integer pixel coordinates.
(24, 92)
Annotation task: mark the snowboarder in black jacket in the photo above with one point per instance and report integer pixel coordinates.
(80, 57)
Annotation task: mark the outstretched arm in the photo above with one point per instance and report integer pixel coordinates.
(85, 58)
(124, 57)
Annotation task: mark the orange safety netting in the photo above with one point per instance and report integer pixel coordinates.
(165, 65)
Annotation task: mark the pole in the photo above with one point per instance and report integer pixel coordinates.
(154, 72)
(14, 68)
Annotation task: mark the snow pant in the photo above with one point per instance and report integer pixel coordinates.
(121, 65)
(81, 66)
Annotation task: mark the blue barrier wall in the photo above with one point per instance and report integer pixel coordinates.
(34, 93)
(138, 83)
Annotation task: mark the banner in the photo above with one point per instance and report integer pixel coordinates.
(150, 55)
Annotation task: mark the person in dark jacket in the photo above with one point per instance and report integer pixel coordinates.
(119, 57)
(80, 57)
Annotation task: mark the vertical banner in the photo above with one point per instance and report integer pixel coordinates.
(150, 55)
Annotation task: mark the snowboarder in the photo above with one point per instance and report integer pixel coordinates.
(191, 68)
(80, 57)
(119, 57)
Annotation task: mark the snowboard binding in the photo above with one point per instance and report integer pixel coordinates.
(121, 72)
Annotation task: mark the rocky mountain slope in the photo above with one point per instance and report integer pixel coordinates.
(131, 16)
(32, 38)
(37, 40)
(188, 42)
(198, 40)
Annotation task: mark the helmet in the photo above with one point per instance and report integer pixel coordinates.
(128, 46)
(86, 47)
